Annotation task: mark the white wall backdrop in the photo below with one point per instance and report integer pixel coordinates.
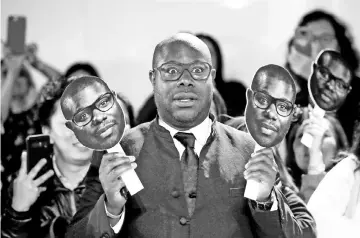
(118, 36)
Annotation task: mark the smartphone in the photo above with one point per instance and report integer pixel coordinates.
(39, 147)
(16, 34)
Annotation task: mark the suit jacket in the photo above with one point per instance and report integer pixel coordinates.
(160, 209)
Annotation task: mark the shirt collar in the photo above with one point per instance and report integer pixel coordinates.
(201, 131)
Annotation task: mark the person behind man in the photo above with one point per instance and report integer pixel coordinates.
(318, 30)
(36, 209)
(192, 167)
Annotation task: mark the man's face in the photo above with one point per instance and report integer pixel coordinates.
(183, 103)
(66, 145)
(266, 126)
(106, 128)
(326, 90)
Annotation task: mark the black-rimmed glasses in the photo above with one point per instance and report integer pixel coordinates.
(172, 71)
(264, 101)
(326, 76)
(103, 103)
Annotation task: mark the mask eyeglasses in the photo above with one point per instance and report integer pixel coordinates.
(103, 104)
(326, 76)
(264, 101)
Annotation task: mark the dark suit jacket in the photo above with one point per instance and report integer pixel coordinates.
(160, 209)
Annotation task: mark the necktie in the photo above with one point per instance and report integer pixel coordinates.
(189, 166)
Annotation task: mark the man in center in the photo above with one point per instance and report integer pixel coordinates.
(192, 167)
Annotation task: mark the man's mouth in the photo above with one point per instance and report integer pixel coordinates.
(103, 129)
(185, 99)
(326, 97)
(268, 128)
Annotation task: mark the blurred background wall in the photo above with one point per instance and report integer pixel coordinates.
(118, 37)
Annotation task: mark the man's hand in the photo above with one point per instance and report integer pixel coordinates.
(111, 167)
(262, 168)
(26, 188)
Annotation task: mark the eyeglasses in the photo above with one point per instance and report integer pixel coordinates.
(264, 101)
(172, 71)
(303, 33)
(103, 104)
(326, 76)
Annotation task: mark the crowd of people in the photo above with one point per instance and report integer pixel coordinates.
(191, 144)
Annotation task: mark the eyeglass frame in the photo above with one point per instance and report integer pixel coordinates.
(93, 106)
(333, 78)
(187, 68)
(273, 101)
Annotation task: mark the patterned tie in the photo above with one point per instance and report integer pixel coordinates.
(189, 166)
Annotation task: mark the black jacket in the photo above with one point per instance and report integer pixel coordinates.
(48, 217)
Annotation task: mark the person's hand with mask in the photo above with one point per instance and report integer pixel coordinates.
(112, 166)
(262, 167)
(27, 189)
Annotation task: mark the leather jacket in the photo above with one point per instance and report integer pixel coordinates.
(48, 217)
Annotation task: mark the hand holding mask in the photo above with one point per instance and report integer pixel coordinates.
(97, 119)
(268, 115)
(328, 85)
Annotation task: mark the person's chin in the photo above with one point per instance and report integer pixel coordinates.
(265, 140)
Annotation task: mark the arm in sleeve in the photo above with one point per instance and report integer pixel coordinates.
(91, 219)
(291, 219)
(329, 202)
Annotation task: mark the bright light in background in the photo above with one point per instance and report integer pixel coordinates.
(236, 4)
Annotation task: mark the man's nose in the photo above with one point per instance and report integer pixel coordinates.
(98, 117)
(186, 79)
(270, 112)
(330, 84)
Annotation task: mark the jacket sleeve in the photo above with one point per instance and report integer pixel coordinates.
(15, 224)
(91, 219)
(291, 219)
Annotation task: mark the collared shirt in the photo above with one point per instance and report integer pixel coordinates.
(201, 133)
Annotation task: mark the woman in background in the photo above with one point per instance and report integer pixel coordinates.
(335, 204)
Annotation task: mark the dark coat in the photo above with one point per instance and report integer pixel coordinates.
(160, 209)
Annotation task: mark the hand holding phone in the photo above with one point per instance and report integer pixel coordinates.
(39, 147)
(16, 34)
(27, 188)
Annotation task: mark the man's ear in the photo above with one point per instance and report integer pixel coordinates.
(69, 125)
(248, 94)
(152, 76)
(213, 74)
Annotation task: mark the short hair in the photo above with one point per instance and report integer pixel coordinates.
(85, 66)
(77, 84)
(275, 71)
(184, 38)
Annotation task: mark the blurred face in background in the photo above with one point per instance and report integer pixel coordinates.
(66, 146)
(329, 147)
(308, 41)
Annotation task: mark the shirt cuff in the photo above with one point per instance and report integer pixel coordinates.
(120, 223)
(274, 206)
